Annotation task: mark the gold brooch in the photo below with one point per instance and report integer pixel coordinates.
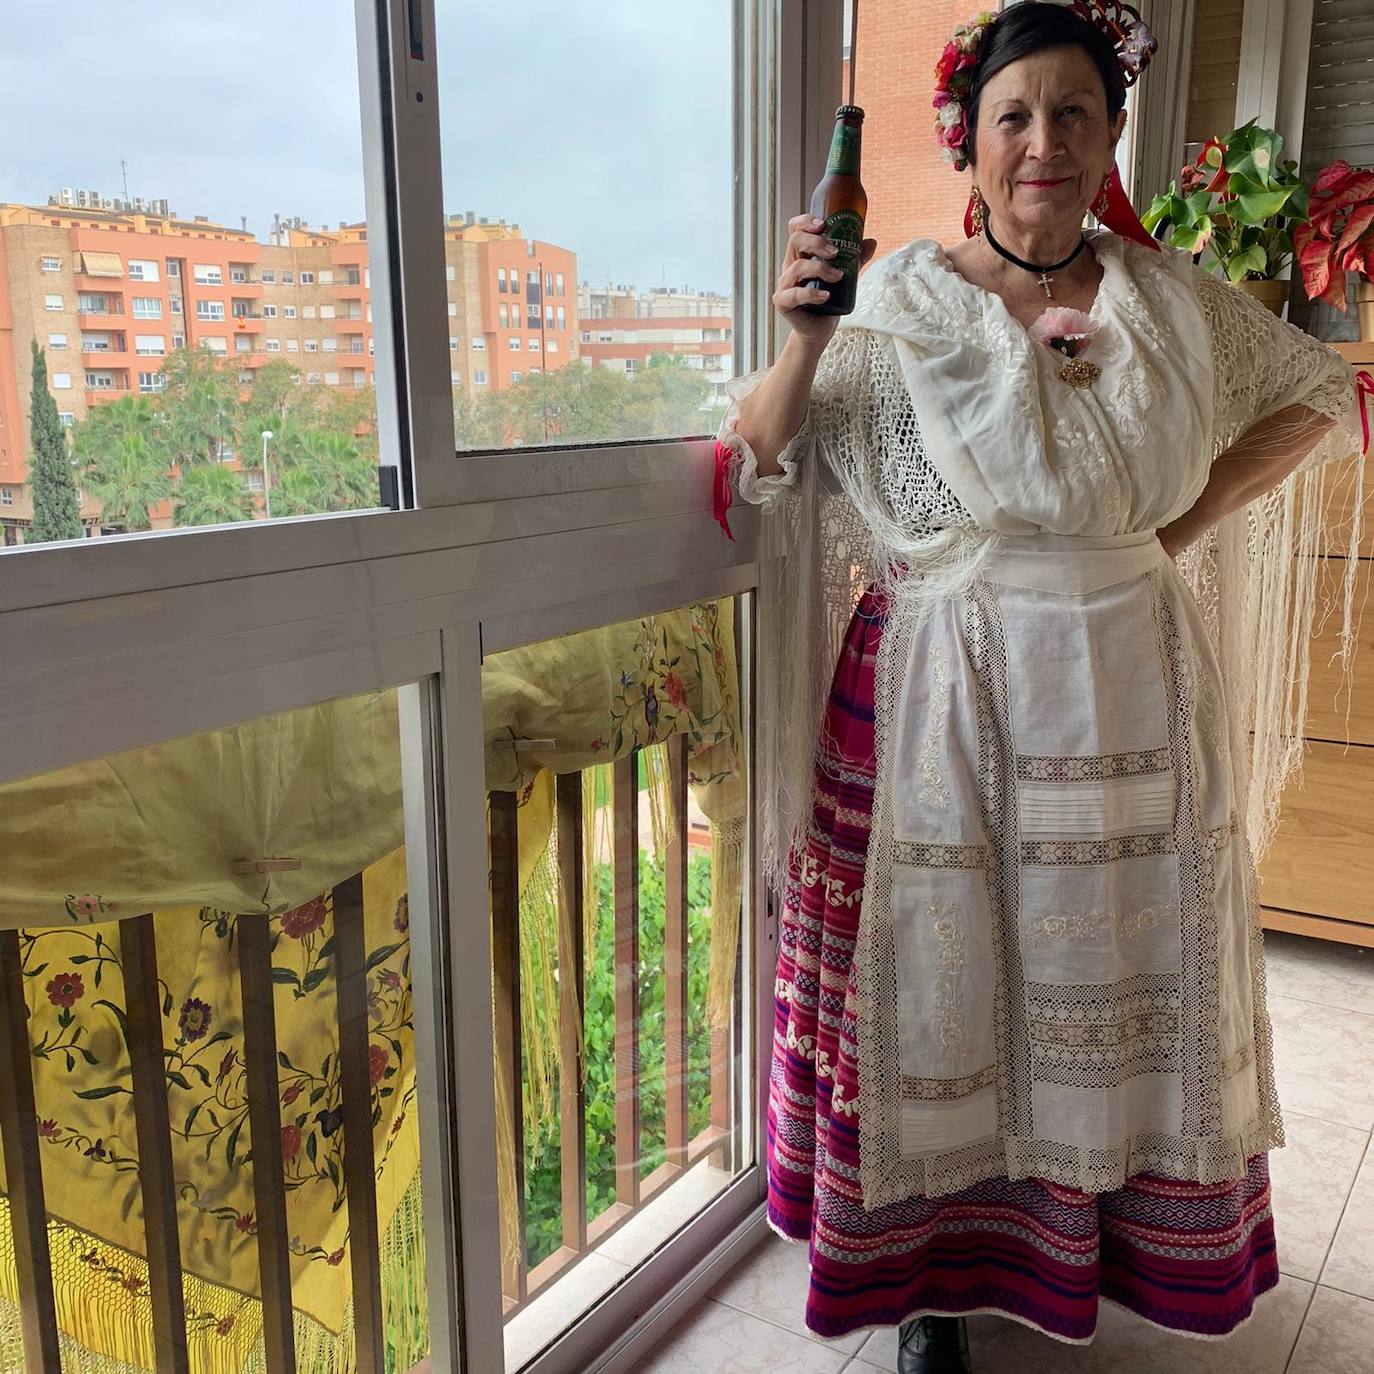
(1080, 373)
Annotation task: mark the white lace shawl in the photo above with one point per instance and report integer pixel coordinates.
(865, 489)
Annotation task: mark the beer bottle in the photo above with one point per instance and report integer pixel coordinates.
(841, 202)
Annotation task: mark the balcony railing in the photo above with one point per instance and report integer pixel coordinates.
(581, 1234)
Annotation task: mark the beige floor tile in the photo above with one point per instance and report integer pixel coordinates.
(771, 1283)
(716, 1339)
(1125, 1344)
(1337, 1337)
(1312, 1177)
(1350, 1266)
(1324, 1061)
(1321, 971)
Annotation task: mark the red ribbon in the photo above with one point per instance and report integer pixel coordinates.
(722, 497)
(1364, 388)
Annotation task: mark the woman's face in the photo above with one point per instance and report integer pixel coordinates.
(1044, 143)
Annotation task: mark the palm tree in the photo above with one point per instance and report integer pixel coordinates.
(297, 492)
(211, 496)
(325, 472)
(128, 479)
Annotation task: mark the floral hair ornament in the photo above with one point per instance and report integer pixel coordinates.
(954, 84)
(1068, 333)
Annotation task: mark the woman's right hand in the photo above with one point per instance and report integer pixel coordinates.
(808, 257)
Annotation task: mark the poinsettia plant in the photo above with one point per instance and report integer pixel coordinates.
(1237, 200)
(1339, 235)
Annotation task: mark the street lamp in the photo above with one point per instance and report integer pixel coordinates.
(266, 480)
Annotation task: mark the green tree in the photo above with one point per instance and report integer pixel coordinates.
(570, 405)
(56, 507)
(275, 396)
(201, 405)
(667, 399)
(479, 420)
(122, 452)
(211, 494)
(321, 470)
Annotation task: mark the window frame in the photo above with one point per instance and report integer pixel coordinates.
(625, 529)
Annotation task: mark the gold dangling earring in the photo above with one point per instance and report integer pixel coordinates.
(977, 213)
(1101, 203)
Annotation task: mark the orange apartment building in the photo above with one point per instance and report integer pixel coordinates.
(108, 293)
(621, 329)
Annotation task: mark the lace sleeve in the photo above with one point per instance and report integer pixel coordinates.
(1261, 364)
(842, 378)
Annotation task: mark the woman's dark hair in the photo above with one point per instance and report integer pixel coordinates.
(1030, 27)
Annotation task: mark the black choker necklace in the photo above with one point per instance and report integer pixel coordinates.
(1042, 272)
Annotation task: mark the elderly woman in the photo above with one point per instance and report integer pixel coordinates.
(1022, 1057)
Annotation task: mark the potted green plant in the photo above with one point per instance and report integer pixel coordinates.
(1240, 204)
(1339, 238)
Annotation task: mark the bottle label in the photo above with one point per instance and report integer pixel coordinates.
(845, 229)
(844, 150)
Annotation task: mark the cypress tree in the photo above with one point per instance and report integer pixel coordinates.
(56, 509)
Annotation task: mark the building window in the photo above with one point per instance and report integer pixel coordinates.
(215, 344)
(293, 346)
(452, 344)
(242, 343)
(100, 381)
(603, 338)
(150, 308)
(269, 312)
(532, 315)
(560, 283)
(307, 279)
(452, 309)
(532, 279)
(517, 376)
(57, 341)
(500, 278)
(326, 312)
(562, 319)
(208, 275)
(533, 345)
(48, 264)
(514, 282)
(455, 378)
(54, 302)
(268, 276)
(239, 276)
(312, 377)
(330, 345)
(140, 269)
(535, 371)
(514, 344)
(173, 267)
(312, 346)
(66, 418)
(501, 314)
(586, 337)
(288, 278)
(352, 277)
(148, 382)
(478, 343)
(272, 345)
(331, 379)
(61, 381)
(448, 271)
(150, 344)
(252, 481)
(6, 496)
(327, 278)
(548, 283)
(548, 316)
(307, 312)
(174, 304)
(288, 312)
(553, 346)
(178, 341)
(479, 378)
(208, 310)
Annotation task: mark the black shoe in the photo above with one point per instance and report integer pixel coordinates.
(933, 1345)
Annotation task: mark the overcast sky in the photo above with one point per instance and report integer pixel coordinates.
(603, 127)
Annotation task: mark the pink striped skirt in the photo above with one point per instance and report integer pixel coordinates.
(1190, 1257)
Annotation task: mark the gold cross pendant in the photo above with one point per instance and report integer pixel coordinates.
(1045, 284)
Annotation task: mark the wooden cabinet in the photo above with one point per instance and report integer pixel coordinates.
(1318, 877)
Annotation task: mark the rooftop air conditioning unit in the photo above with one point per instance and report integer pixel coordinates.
(107, 203)
(68, 196)
(81, 197)
(93, 199)
(138, 204)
